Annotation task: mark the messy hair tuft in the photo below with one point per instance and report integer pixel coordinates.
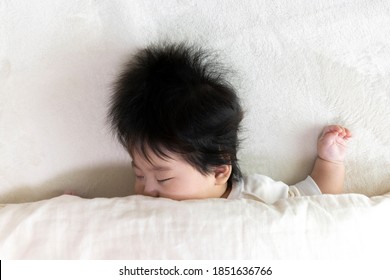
(176, 98)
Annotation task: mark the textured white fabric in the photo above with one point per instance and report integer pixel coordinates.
(136, 227)
(263, 188)
(300, 65)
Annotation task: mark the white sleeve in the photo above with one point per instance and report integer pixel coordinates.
(265, 189)
(304, 188)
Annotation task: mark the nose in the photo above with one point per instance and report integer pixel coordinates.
(150, 189)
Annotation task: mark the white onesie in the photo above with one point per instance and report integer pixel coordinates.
(263, 188)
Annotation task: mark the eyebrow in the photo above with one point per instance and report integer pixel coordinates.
(155, 168)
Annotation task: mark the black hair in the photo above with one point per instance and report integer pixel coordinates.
(175, 97)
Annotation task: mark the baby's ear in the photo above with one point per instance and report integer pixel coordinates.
(222, 174)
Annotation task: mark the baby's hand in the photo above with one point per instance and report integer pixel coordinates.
(332, 144)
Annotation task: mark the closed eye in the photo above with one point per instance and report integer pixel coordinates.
(164, 180)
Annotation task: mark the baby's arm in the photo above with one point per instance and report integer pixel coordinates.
(329, 170)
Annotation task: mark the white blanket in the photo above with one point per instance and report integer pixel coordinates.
(319, 227)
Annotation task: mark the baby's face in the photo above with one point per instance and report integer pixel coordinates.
(173, 178)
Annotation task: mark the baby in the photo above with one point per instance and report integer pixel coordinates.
(178, 117)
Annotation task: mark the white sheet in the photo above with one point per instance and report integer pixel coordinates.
(319, 227)
(300, 65)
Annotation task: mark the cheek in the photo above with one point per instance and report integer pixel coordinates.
(203, 182)
(191, 187)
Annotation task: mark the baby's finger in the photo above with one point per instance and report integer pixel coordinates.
(345, 132)
(348, 133)
(332, 128)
